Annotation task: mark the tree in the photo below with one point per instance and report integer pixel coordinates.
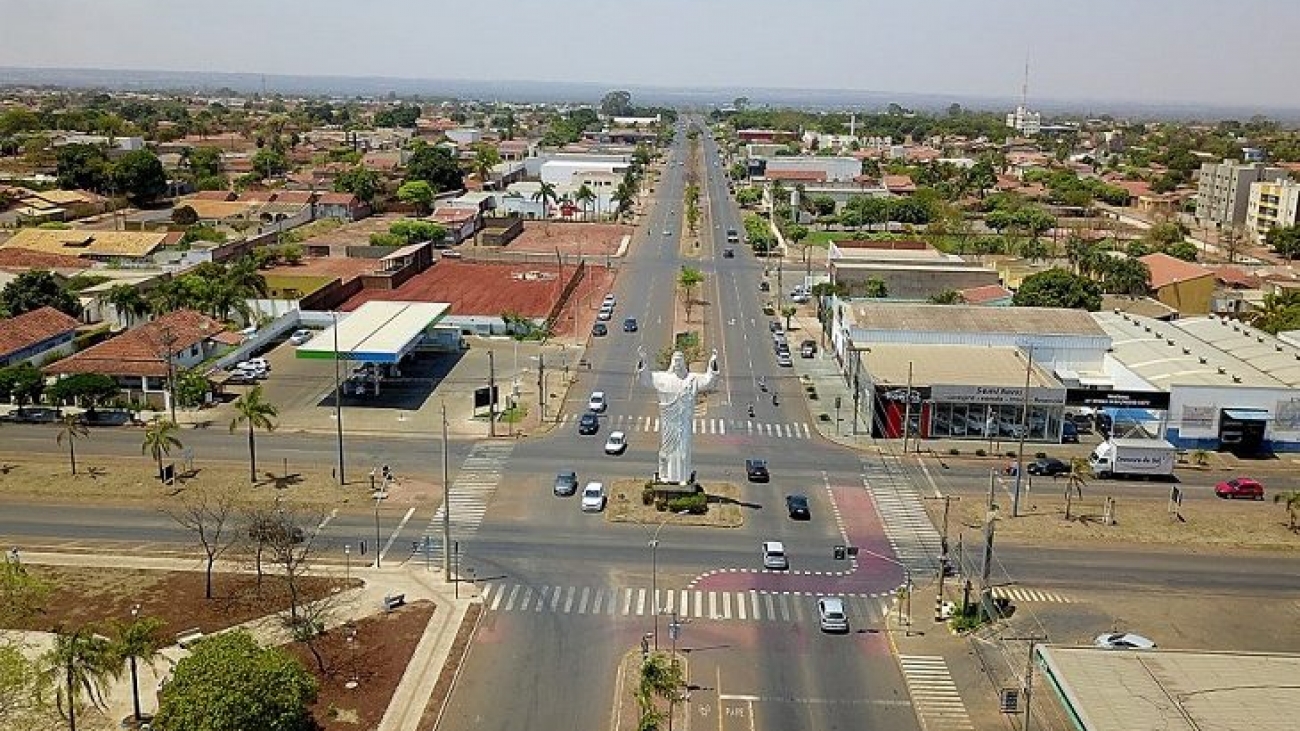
(1184, 250)
(616, 103)
(73, 427)
(417, 193)
(140, 176)
(139, 640)
(34, 289)
(205, 162)
(128, 302)
(23, 383)
(1231, 241)
(207, 514)
(435, 166)
(22, 594)
(78, 667)
(1058, 288)
(1126, 276)
(688, 279)
(584, 196)
(788, 312)
(546, 194)
(875, 288)
(365, 184)
(191, 387)
(184, 216)
(1291, 499)
(250, 409)
(229, 683)
(947, 297)
(21, 705)
(269, 163)
(1075, 480)
(159, 440)
(623, 197)
(486, 157)
(1278, 312)
(661, 677)
(83, 166)
(1284, 240)
(87, 390)
(410, 231)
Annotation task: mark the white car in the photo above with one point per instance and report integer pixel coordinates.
(1123, 641)
(597, 402)
(300, 336)
(610, 301)
(831, 615)
(261, 364)
(593, 497)
(616, 444)
(774, 556)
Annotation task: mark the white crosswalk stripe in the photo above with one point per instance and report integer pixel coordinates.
(934, 695)
(469, 495)
(902, 512)
(715, 426)
(1021, 594)
(722, 606)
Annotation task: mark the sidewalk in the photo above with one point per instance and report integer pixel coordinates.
(412, 693)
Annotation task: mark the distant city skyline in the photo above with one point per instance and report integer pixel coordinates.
(1177, 51)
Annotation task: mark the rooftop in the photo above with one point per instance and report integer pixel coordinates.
(33, 327)
(875, 315)
(142, 351)
(74, 242)
(951, 365)
(1167, 270)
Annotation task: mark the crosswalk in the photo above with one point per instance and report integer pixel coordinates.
(743, 606)
(934, 695)
(907, 526)
(1018, 594)
(716, 425)
(468, 498)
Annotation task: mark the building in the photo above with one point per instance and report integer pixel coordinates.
(1223, 191)
(143, 359)
(344, 206)
(839, 192)
(1024, 121)
(123, 248)
(825, 168)
(1272, 204)
(36, 336)
(464, 136)
(1182, 285)
(561, 169)
(910, 270)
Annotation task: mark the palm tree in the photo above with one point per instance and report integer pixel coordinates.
(623, 196)
(73, 428)
(485, 158)
(245, 278)
(159, 439)
(168, 296)
(79, 665)
(788, 312)
(250, 409)
(1292, 500)
(688, 280)
(139, 640)
(585, 195)
(546, 194)
(1075, 480)
(127, 301)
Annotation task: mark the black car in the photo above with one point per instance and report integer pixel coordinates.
(764, 287)
(599, 330)
(566, 483)
(588, 424)
(1069, 433)
(629, 325)
(1047, 466)
(797, 506)
(775, 326)
(756, 470)
(728, 253)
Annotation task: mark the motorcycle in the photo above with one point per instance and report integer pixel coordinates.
(751, 411)
(775, 400)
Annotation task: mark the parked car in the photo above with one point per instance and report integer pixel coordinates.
(775, 326)
(1240, 487)
(831, 616)
(300, 336)
(1048, 467)
(605, 315)
(808, 348)
(589, 424)
(756, 470)
(610, 300)
(593, 497)
(616, 443)
(774, 556)
(797, 507)
(599, 330)
(783, 358)
(566, 483)
(596, 402)
(764, 287)
(1122, 641)
(1069, 433)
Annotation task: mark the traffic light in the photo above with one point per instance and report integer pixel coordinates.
(841, 552)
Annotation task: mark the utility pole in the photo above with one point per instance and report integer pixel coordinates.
(986, 591)
(1029, 671)
(446, 503)
(541, 384)
(1024, 432)
(944, 561)
(907, 408)
(492, 389)
(338, 400)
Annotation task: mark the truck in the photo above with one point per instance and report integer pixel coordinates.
(1117, 457)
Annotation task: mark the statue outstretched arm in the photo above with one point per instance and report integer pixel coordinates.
(707, 379)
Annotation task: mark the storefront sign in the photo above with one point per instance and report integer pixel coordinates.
(997, 395)
(1117, 399)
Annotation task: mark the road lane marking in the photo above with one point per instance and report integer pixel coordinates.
(541, 598)
(740, 607)
(510, 603)
(396, 532)
(555, 598)
(699, 604)
(627, 602)
(568, 599)
(640, 602)
(713, 605)
(496, 599)
(726, 605)
(771, 611)
(597, 598)
(582, 603)
(753, 600)
(683, 603)
(785, 609)
(528, 595)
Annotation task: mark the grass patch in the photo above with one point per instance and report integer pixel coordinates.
(723, 500)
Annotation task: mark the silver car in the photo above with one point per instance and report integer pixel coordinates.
(831, 615)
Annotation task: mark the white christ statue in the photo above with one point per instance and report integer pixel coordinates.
(677, 389)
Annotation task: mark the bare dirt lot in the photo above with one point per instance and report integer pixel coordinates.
(375, 659)
(89, 595)
(599, 239)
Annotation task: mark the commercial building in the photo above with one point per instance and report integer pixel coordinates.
(910, 270)
(1223, 190)
(826, 168)
(1024, 121)
(561, 169)
(1272, 204)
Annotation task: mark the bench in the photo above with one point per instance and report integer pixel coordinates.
(393, 601)
(188, 637)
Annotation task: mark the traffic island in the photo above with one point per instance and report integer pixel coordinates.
(715, 505)
(650, 690)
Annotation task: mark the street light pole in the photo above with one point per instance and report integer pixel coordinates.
(446, 503)
(135, 681)
(378, 551)
(654, 573)
(338, 401)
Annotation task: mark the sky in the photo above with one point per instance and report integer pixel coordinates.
(1229, 52)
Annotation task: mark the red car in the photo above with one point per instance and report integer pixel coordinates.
(1240, 487)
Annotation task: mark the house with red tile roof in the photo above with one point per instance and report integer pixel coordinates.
(989, 295)
(345, 206)
(899, 184)
(142, 358)
(1182, 285)
(35, 336)
(461, 222)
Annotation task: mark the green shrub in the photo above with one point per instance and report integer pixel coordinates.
(647, 494)
(1040, 455)
(954, 451)
(966, 621)
(981, 452)
(697, 504)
